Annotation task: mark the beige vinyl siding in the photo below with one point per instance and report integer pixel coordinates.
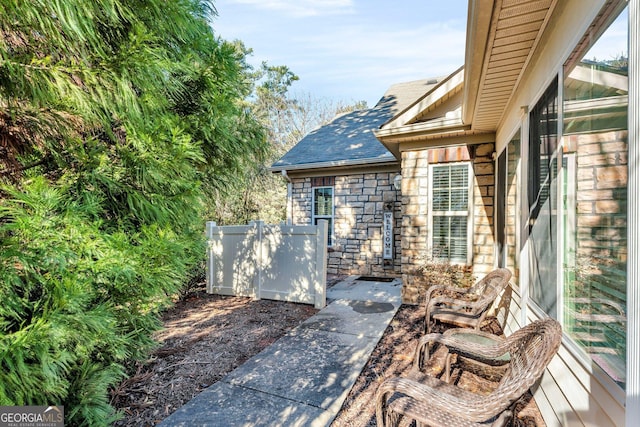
(582, 399)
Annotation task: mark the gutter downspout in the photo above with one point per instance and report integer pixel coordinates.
(289, 197)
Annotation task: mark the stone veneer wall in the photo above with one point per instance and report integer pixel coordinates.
(415, 196)
(359, 201)
(599, 240)
(601, 196)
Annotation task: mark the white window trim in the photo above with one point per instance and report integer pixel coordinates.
(332, 238)
(469, 212)
(633, 217)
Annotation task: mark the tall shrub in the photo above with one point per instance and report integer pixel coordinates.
(111, 112)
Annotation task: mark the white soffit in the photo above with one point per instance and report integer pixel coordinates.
(516, 28)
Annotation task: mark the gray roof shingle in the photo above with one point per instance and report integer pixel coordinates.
(348, 139)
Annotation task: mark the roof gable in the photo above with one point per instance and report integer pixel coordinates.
(432, 103)
(349, 139)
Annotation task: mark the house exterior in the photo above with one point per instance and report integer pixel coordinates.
(527, 158)
(341, 173)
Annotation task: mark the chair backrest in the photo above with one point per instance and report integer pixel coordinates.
(488, 288)
(531, 349)
(495, 280)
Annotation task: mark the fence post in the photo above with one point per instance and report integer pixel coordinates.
(210, 273)
(320, 285)
(259, 256)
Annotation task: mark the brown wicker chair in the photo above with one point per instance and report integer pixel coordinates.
(464, 307)
(432, 402)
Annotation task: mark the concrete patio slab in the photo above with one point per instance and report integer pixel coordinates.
(309, 366)
(361, 290)
(353, 317)
(303, 378)
(224, 404)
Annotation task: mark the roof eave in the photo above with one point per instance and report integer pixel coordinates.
(478, 26)
(396, 134)
(332, 164)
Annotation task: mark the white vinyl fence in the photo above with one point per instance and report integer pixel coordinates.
(279, 262)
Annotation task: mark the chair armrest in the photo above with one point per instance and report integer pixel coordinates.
(432, 290)
(464, 404)
(472, 304)
(453, 302)
(422, 352)
(445, 302)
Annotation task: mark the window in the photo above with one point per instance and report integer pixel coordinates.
(595, 107)
(323, 208)
(449, 217)
(577, 195)
(542, 201)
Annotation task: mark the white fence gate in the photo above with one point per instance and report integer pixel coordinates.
(280, 262)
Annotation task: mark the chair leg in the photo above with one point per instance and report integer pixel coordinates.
(517, 406)
(447, 368)
(428, 324)
(427, 319)
(392, 419)
(504, 419)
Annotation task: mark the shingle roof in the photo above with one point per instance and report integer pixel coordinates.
(348, 139)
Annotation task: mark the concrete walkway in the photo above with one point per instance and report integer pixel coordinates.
(303, 378)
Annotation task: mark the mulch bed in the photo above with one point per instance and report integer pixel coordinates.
(205, 337)
(393, 356)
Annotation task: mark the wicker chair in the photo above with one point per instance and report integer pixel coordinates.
(465, 308)
(430, 401)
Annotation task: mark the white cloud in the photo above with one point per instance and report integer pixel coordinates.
(427, 51)
(349, 49)
(303, 8)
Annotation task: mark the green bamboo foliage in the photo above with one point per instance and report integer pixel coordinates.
(112, 112)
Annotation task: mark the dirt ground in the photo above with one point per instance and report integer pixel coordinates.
(207, 336)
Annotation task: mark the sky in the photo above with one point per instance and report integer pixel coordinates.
(349, 50)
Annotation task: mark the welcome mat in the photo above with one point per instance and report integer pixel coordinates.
(375, 279)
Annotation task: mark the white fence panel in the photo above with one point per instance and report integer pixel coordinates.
(289, 263)
(277, 262)
(231, 267)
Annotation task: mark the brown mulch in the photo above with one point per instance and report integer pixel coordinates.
(393, 356)
(207, 336)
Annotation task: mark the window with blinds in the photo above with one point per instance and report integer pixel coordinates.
(449, 213)
(323, 208)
